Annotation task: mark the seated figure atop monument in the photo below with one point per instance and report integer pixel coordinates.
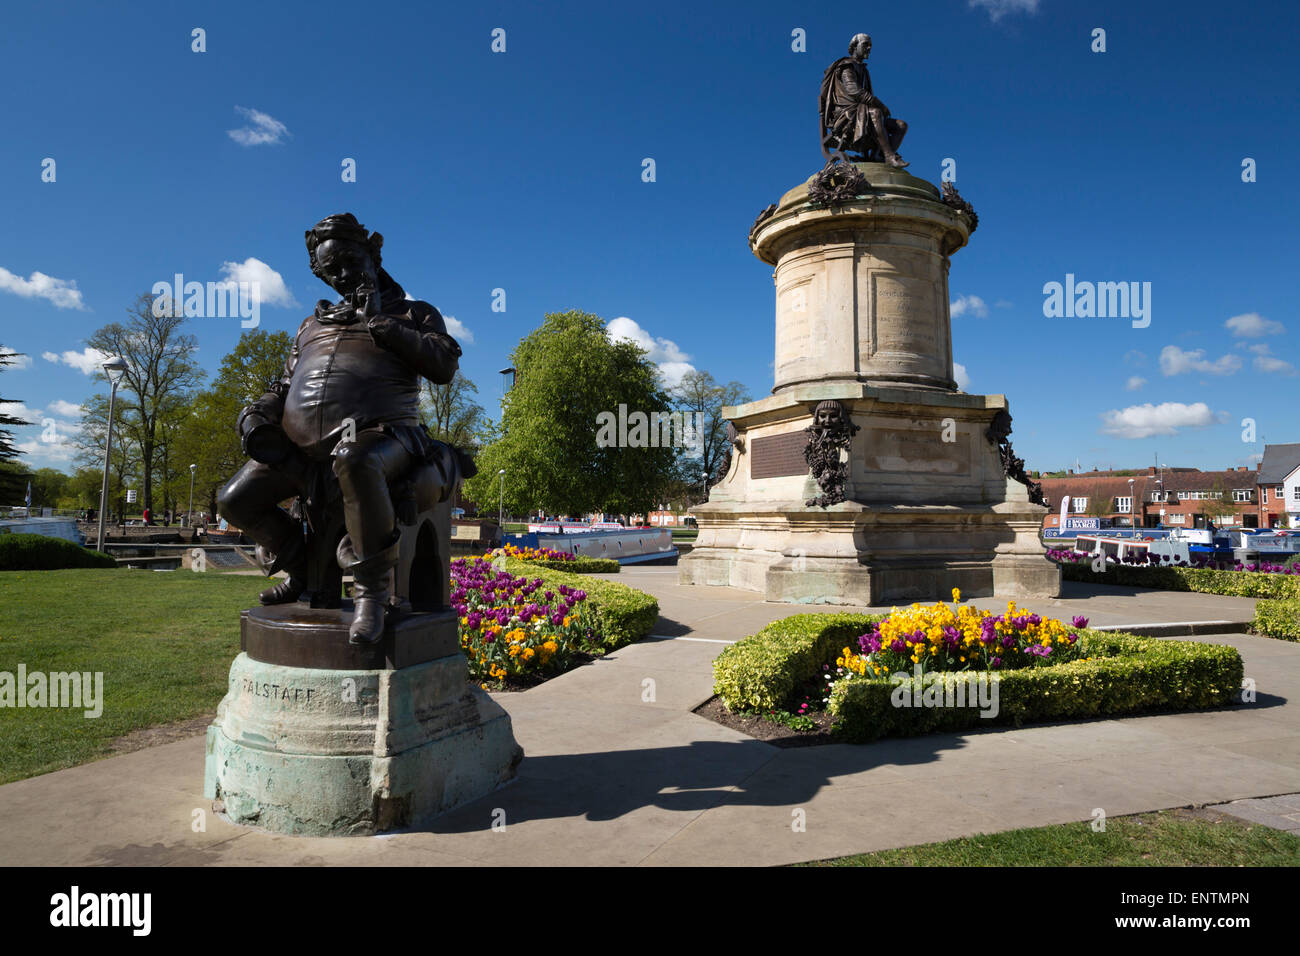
(853, 119)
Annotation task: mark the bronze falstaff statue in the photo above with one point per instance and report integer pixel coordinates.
(343, 421)
(853, 119)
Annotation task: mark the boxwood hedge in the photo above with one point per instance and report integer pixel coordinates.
(1280, 618)
(622, 614)
(36, 552)
(579, 565)
(1123, 674)
(1204, 580)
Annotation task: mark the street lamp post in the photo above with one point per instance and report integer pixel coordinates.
(501, 510)
(189, 515)
(1132, 506)
(114, 368)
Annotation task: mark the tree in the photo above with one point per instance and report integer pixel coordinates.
(1100, 506)
(160, 370)
(556, 453)
(454, 416)
(12, 482)
(203, 432)
(124, 463)
(700, 395)
(1219, 504)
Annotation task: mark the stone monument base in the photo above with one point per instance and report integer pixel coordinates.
(317, 736)
(928, 505)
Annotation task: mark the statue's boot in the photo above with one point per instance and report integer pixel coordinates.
(291, 557)
(370, 591)
(883, 141)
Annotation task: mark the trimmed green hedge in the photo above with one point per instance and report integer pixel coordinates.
(1279, 618)
(1257, 584)
(764, 670)
(622, 614)
(580, 565)
(1124, 674)
(36, 552)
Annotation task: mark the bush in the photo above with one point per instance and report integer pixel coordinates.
(763, 671)
(1280, 618)
(1124, 674)
(580, 565)
(1202, 580)
(620, 614)
(36, 552)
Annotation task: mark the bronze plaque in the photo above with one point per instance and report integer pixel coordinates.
(778, 456)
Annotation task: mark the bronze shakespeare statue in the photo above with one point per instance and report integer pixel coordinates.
(853, 119)
(340, 432)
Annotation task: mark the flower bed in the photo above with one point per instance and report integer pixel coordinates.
(922, 670)
(559, 560)
(519, 623)
(1248, 581)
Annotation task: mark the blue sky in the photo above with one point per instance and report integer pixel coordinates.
(522, 171)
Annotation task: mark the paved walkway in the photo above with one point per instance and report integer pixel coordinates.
(610, 778)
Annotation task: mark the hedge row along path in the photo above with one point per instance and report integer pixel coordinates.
(612, 777)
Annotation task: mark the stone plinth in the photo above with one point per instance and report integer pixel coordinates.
(318, 736)
(862, 287)
(862, 319)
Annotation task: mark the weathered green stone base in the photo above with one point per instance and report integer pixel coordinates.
(346, 752)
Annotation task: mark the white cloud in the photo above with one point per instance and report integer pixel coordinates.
(267, 285)
(45, 454)
(1135, 357)
(17, 361)
(262, 129)
(88, 361)
(19, 410)
(672, 361)
(960, 374)
(66, 409)
(1265, 362)
(1143, 421)
(61, 293)
(1252, 325)
(968, 303)
(1134, 383)
(997, 9)
(458, 330)
(1175, 361)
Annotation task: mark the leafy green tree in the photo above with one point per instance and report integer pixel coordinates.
(13, 484)
(160, 370)
(1219, 505)
(569, 373)
(452, 414)
(204, 434)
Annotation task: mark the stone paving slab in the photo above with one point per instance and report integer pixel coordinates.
(1281, 812)
(614, 777)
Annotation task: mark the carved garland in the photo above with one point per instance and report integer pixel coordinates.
(953, 198)
(838, 183)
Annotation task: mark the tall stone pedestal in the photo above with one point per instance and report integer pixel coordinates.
(862, 319)
(317, 736)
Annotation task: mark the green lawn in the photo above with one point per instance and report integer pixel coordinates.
(163, 641)
(1165, 838)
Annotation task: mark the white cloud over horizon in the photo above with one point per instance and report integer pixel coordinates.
(1134, 383)
(1143, 421)
(61, 293)
(262, 128)
(18, 360)
(88, 361)
(673, 363)
(458, 330)
(961, 376)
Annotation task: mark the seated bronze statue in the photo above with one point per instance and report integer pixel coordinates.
(853, 119)
(340, 431)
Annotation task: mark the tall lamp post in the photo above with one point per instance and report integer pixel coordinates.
(114, 368)
(501, 510)
(189, 515)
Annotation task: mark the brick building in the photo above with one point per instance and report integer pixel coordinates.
(1172, 497)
